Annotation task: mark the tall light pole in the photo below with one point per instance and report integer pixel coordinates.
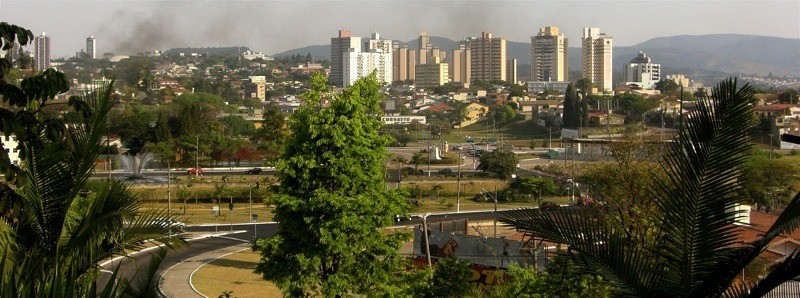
(197, 157)
(425, 234)
(430, 150)
(169, 197)
(255, 226)
(458, 194)
(495, 206)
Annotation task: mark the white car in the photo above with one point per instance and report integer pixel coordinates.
(174, 225)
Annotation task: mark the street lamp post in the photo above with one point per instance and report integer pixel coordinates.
(495, 206)
(458, 194)
(255, 226)
(425, 234)
(197, 157)
(169, 198)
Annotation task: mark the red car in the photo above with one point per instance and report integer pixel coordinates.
(192, 171)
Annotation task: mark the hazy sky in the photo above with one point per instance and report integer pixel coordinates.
(276, 26)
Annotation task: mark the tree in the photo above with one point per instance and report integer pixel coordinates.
(570, 107)
(561, 278)
(273, 133)
(402, 138)
(332, 199)
(585, 86)
(529, 188)
(667, 86)
(695, 252)
(236, 125)
(418, 159)
(768, 183)
(54, 231)
(502, 163)
(135, 71)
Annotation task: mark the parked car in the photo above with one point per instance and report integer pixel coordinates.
(194, 171)
(174, 225)
(456, 147)
(446, 172)
(255, 171)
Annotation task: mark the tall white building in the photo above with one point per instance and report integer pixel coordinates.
(642, 71)
(596, 58)
(549, 56)
(340, 47)
(41, 53)
(91, 47)
(377, 57)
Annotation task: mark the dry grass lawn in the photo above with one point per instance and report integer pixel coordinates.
(234, 273)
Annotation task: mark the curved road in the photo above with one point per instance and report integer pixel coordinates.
(175, 271)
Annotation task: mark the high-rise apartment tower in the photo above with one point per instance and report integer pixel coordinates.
(41, 53)
(549, 60)
(596, 58)
(91, 47)
(488, 58)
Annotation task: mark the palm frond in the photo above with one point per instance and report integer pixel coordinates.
(784, 271)
(600, 249)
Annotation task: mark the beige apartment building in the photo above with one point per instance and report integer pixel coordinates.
(460, 59)
(488, 58)
(432, 74)
(596, 56)
(403, 63)
(549, 56)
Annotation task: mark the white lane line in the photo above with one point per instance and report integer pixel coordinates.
(162, 245)
(209, 261)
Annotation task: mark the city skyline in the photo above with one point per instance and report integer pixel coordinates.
(129, 27)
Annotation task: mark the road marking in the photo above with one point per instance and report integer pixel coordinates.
(201, 266)
(162, 245)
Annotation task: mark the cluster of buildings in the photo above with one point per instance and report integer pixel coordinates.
(482, 58)
(485, 58)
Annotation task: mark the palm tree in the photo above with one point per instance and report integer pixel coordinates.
(694, 251)
(418, 159)
(53, 230)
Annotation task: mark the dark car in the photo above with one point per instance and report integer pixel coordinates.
(446, 172)
(255, 171)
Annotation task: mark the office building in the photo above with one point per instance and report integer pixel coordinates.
(91, 47)
(549, 60)
(488, 58)
(641, 71)
(460, 71)
(432, 74)
(340, 47)
(596, 58)
(41, 53)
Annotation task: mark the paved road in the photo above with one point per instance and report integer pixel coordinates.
(176, 281)
(199, 246)
(176, 269)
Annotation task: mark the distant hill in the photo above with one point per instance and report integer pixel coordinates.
(718, 53)
(219, 51)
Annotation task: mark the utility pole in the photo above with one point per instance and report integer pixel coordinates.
(169, 197)
(770, 145)
(231, 216)
(425, 233)
(197, 157)
(573, 172)
(550, 137)
(430, 150)
(495, 211)
(458, 193)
